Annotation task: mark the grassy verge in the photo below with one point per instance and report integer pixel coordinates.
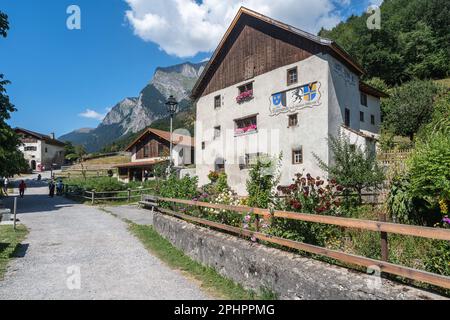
(209, 279)
(9, 243)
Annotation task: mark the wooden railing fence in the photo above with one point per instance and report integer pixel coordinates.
(384, 228)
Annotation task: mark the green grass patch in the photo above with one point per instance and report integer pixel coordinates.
(210, 280)
(9, 244)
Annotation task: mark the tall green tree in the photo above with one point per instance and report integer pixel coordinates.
(411, 43)
(11, 159)
(353, 167)
(409, 107)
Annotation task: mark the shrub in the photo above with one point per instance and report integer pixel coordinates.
(430, 169)
(213, 176)
(224, 216)
(353, 167)
(263, 179)
(185, 188)
(103, 184)
(308, 195)
(222, 182)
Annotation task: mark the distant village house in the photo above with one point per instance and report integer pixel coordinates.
(153, 148)
(41, 151)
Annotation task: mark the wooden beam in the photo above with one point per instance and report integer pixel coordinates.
(377, 226)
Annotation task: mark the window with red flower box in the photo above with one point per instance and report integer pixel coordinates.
(246, 125)
(245, 93)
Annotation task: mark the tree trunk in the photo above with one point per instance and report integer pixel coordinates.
(359, 195)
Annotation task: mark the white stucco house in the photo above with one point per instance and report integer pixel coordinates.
(272, 89)
(40, 150)
(152, 147)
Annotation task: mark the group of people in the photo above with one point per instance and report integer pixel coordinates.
(52, 187)
(5, 186)
(58, 186)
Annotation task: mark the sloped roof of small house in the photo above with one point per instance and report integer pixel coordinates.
(40, 136)
(340, 53)
(177, 138)
(366, 88)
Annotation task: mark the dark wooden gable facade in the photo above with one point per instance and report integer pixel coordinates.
(254, 49)
(151, 146)
(256, 44)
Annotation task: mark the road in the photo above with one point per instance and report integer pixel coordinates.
(75, 251)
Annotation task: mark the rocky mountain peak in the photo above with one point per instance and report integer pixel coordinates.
(136, 113)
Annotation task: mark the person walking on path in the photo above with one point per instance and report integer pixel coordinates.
(59, 188)
(5, 186)
(22, 188)
(51, 189)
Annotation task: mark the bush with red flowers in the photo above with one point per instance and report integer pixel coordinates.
(313, 195)
(308, 195)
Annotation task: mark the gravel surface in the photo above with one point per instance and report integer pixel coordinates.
(66, 237)
(137, 215)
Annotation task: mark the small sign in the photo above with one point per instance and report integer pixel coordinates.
(306, 96)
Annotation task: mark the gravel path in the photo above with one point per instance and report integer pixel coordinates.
(66, 237)
(137, 215)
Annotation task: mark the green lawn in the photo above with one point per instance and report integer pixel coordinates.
(209, 279)
(9, 243)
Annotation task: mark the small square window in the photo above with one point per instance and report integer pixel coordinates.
(361, 116)
(203, 145)
(364, 99)
(217, 132)
(372, 119)
(292, 76)
(297, 156)
(293, 120)
(217, 102)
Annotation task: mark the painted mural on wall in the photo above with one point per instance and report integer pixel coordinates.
(306, 96)
(342, 72)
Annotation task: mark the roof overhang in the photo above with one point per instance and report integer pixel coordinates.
(366, 88)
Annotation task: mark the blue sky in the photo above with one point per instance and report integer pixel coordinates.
(57, 74)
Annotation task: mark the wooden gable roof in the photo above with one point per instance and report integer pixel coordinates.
(177, 138)
(255, 44)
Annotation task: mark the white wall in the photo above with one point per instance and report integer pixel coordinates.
(273, 134)
(54, 154)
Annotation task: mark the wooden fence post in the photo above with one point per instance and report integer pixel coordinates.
(129, 194)
(15, 211)
(384, 240)
(93, 197)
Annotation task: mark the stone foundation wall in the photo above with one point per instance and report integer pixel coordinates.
(289, 275)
